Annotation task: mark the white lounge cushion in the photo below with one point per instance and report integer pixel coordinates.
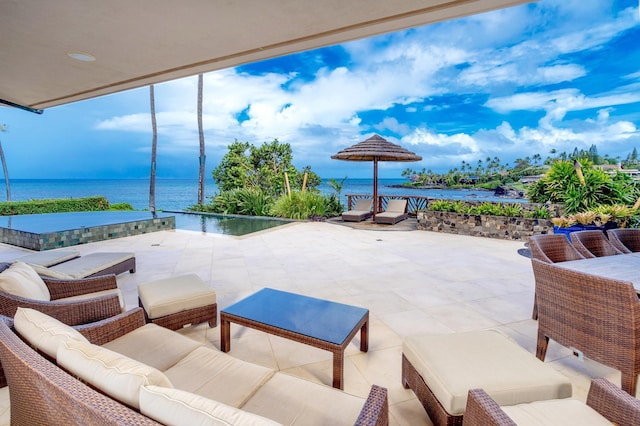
(49, 257)
(292, 401)
(175, 294)
(555, 412)
(45, 271)
(44, 332)
(86, 265)
(174, 407)
(80, 297)
(153, 345)
(215, 375)
(114, 374)
(451, 364)
(20, 279)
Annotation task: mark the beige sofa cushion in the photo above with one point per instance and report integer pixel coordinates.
(555, 412)
(114, 374)
(215, 375)
(177, 407)
(153, 345)
(451, 364)
(44, 332)
(21, 280)
(293, 401)
(80, 297)
(175, 294)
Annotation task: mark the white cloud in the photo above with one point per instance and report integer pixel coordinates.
(509, 56)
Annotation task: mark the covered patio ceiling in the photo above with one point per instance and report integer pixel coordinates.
(131, 44)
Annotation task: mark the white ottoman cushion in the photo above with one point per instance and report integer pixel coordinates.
(175, 294)
(451, 364)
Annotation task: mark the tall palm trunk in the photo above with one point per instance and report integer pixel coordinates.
(201, 134)
(3, 128)
(154, 142)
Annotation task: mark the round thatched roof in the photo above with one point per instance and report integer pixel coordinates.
(376, 147)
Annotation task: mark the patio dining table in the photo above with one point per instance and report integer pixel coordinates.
(623, 267)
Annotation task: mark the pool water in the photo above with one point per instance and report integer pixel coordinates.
(223, 224)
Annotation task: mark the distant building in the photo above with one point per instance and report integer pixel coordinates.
(526, 180)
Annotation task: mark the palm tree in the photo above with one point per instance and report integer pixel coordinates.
(3, 128)
(201, 134)
(154, 142)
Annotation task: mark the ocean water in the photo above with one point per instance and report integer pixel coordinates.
(179, 194)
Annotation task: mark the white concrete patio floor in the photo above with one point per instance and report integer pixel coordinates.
(413, 282)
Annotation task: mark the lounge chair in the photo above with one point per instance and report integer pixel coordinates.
(91, 265)
(360, 212)
(396, 212)
(70, 301)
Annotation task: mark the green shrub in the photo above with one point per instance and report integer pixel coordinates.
(245, 201)
(54, 206)
(561, 185)
(121, 206)
(300, 205)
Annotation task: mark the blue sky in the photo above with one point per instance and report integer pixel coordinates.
(556, 74)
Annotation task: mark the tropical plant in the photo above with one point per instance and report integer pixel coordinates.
(561, 184)
(300, 205)
(245, 201)
(263, 167)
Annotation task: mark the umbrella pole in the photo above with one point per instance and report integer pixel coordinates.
(375, 187)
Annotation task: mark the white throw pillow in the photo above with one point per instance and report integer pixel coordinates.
(114, 374)
(44, 332)
(174, 407)
(21, 280)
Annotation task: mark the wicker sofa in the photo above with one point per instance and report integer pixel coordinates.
(181, 379)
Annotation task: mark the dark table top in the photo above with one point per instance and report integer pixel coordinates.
(320, 319)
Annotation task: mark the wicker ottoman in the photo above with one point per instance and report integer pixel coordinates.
(440, 369)
(178, 301)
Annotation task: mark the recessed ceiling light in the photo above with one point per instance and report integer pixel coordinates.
(79, 56)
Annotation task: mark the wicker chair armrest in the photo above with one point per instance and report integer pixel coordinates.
(376, 408)
(613, 403)
(482, 410)
(67, 288)
(69, 312)
(109, 329)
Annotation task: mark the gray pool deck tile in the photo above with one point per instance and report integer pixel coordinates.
(413, 282)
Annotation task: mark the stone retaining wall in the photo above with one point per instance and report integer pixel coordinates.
(506, 228)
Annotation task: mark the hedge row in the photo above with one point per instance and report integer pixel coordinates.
(54, 206)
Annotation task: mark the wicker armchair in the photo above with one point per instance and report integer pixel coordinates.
(551, 248)
(625, 239)
(597, 316)
(604, 397)
(72, 312)
(593, 244)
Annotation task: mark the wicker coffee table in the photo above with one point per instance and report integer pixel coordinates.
(319, 323)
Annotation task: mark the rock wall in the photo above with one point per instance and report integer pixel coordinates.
(506, 228)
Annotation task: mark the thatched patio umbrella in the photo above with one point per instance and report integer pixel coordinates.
(375, 149)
